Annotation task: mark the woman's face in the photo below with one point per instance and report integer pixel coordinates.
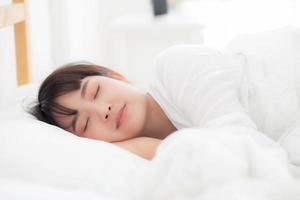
(108, 109)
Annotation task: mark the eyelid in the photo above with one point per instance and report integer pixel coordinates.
(96, 94)
(86, 124)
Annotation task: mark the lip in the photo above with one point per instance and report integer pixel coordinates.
(121, 116)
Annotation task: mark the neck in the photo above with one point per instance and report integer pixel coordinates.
(158, 125)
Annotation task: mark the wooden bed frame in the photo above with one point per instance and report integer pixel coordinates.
(15, 14)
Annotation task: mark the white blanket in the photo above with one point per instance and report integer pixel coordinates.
(272, 81)
(227, 163)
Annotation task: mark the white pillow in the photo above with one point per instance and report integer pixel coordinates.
(34, 151)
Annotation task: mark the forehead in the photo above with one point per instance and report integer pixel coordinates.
(92, 79)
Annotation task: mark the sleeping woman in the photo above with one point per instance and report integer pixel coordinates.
(194, 86)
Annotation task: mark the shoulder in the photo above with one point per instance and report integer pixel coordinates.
(183, 63)
(182, 58)
(179, 53)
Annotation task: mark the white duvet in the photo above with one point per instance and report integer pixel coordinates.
(225, 163)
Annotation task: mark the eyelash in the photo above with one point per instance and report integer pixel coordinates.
(96, 94)
(87, 121)
(86, 124)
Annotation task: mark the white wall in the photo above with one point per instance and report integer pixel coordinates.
(79, 27)
(227, 18)
(40, 39)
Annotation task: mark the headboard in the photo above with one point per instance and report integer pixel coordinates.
(15, 14)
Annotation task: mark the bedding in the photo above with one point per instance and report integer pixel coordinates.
(231, 162)
(222, 163)
(271, 64)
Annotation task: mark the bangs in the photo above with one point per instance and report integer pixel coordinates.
(60, 86)
(50, 110)
(58, 109)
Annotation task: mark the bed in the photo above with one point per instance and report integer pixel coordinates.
(40, 161)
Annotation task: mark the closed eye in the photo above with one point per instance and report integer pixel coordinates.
(97, 91)
(86, 124)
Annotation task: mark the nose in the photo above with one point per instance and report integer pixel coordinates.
(107, 113)
(102, 111)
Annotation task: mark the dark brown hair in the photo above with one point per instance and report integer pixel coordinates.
(62, 81)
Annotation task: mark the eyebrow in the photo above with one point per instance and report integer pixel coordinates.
(83, 91)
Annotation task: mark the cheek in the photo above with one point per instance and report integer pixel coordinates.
(136, 119)
(97, 133)
(104, 134)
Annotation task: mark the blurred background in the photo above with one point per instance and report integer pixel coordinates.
(126, 35)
